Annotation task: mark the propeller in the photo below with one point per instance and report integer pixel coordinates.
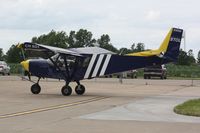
(23, 59)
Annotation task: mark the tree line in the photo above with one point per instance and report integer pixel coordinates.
(84, 38)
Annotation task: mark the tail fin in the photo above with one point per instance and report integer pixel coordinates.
(171, 51)
(169, 47)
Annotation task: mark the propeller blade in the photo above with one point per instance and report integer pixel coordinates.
(22, 51)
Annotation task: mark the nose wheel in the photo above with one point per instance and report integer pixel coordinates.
(35, 88)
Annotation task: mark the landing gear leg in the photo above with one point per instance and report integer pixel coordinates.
(35, 88)
(80, 89)
(66, 90)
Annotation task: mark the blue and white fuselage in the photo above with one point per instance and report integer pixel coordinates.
(76, 64)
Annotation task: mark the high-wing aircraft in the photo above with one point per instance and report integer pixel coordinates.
(75, 64)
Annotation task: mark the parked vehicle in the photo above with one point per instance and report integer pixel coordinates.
(4, 68)
(155, 71)
(129, 74)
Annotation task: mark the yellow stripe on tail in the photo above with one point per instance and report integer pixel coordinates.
(162, 48)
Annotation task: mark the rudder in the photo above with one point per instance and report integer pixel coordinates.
(174, 43)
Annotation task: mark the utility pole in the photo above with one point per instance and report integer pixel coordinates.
(184, 37)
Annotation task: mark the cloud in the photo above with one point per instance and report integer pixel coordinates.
(152, 15)
(125, 21)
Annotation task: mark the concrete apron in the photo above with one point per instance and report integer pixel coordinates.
(158, 109)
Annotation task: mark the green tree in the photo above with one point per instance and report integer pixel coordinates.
(191, 57)
(81, 38)
(1, 54)
(53, 38)
(123, 51)
(140, 47)
(185, 58)
(71, 39)
(104, 42)
(13, 55)
(198, 57)
(133, 48)
(182, 58)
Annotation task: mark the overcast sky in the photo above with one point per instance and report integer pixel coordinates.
(126, 21)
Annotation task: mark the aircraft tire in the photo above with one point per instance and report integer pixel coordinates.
(66, 90)
(80, 89)
(35, 88)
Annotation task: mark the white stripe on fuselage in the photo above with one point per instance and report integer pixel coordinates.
(90, 66)
(105, 65)
(97, 65)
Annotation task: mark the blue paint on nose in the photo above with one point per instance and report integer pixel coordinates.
(38, 67)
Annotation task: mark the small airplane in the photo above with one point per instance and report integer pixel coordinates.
(75, 64)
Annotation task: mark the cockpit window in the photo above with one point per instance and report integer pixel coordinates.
(86, 61)
(72, 62)
(60, 61)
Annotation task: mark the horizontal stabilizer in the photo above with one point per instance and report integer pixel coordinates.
(170, 45)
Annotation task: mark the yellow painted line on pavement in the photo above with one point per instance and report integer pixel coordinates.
(52, 107)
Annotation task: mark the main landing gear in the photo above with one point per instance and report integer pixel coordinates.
(80, 89)
(66, 90)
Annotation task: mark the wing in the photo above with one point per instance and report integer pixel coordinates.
(40, 47)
